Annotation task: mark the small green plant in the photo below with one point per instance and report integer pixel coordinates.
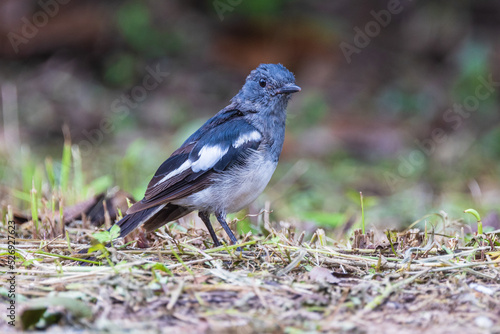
(478, 218)
(102, 239)
(105, 237)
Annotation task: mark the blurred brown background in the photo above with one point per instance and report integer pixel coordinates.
(399, 98)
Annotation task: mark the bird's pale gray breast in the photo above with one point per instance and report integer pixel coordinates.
(237, 187)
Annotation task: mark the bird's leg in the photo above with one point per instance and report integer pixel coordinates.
(221, 217)
(205, 217)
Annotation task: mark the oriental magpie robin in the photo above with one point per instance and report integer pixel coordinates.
(225, 164)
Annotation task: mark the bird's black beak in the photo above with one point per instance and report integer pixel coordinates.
(288, 89)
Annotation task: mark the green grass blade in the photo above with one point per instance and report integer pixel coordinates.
(34, 208)
(65, 165)
(78, 171)
(362, 213)
(49, 168)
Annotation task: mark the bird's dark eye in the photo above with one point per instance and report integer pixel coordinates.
(262, 83)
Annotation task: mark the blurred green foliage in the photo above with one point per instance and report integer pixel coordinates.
(136, 25)
(490, 144)
(121, 70)
(259, 8)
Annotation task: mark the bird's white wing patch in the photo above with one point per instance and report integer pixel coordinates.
(175, 172)
(246, 137)
(209, 155)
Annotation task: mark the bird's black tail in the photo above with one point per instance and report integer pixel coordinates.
(151, 218)
(130, 222)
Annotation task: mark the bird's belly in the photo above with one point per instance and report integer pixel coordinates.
(233, 189)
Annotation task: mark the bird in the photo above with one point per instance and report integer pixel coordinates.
(224, 165)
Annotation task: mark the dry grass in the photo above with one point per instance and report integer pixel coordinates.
(279, 284)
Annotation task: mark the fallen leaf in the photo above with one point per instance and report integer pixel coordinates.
(322, 275)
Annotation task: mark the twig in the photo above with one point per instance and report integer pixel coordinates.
(292, 264)
(389, 290)
(175, 296)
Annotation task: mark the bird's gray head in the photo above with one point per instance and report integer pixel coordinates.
(267, 90)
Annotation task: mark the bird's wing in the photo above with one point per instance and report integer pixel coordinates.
(188, 169)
